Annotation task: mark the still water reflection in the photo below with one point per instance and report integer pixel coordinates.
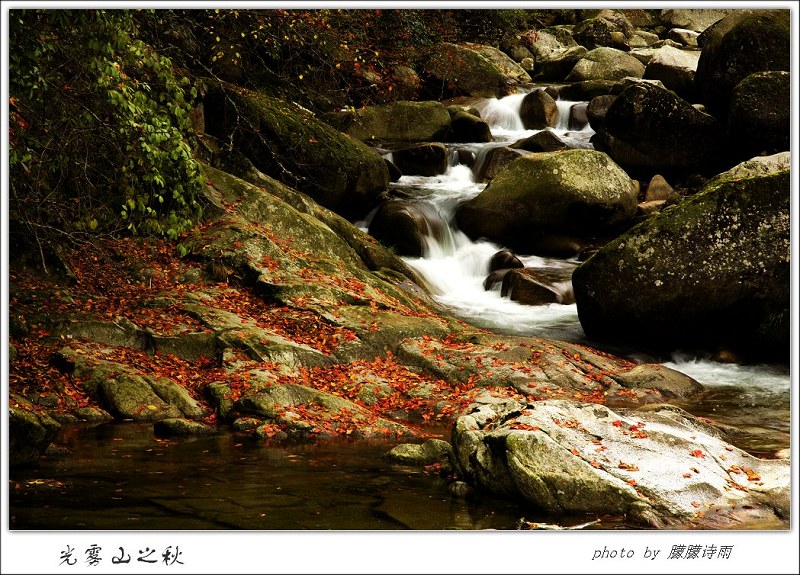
(119, 476)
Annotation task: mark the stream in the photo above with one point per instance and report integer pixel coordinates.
(119, 476)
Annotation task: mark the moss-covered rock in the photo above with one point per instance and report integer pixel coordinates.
(675, 69)
(580, 192)
(403, 121)
(605, 64)
(461, 70)
(178, 427)
(759, 120)
(432, 451)
(29, 434)
(295, 147)
(711, 271)
(742, 43)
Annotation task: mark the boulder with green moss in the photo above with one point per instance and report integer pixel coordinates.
(29, 434)
(575, 192)
(711, 271)
(742, 43)
(463, 70)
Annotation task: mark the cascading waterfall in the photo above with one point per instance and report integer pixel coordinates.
(455, 267)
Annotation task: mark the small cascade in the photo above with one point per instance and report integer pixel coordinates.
(502, 114)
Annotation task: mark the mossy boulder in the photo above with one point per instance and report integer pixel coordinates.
(692, 18)
(711, 271)
(467, 127)
(430, 452)
(759, 117)
(292, 145)
(29, 434)
(742, 43)
(462, 70)
(403, 121)
(606, 64)
(579, 192)
(178, 427)
(675, 69)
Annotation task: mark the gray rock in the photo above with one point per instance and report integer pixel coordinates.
(662, 468)
(683, 36)
(675, 69)
(692, 18)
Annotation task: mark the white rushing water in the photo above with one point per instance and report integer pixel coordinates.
(455, 268)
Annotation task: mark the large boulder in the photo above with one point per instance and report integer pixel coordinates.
(465, 70)
(402, 121)
(759, 119)
(580, 192)
(513, 72)
(712, 271)
(648, 127)
(739, 45)
(675, 69)
(605, 64)
(292, 145)
(661, 468)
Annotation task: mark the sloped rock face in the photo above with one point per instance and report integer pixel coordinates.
(290, 143)
(712, 270)
(675, 69)
(662, 468)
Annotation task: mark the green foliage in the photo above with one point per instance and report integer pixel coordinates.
(99, 129)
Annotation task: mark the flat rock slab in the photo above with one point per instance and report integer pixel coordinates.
(662, 468)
